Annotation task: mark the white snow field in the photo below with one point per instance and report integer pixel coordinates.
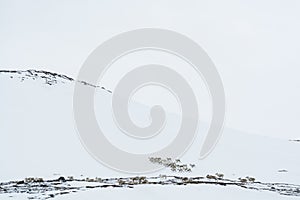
(38, 138)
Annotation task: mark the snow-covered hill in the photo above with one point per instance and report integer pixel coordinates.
(38, 139)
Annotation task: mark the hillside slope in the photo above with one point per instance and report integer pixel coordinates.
(38, 138)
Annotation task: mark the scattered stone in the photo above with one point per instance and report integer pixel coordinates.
(295, 140)
(38, 180)
(98, 180)
(211, 177)
(21, 182)
(251, 179)
(220, 175)
(283, 170)
(175, 165)
(30, 179)
(61, 179)
(243, 180)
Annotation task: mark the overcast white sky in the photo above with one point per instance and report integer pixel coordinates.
(254, 44)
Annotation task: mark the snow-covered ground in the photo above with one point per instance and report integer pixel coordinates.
(38, 139)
